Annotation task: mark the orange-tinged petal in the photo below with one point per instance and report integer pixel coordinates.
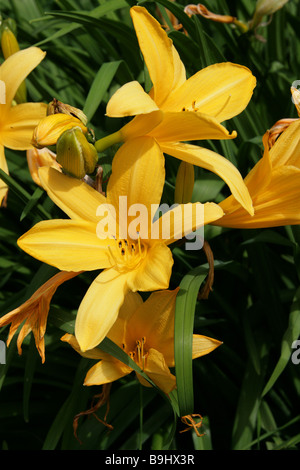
(16, 68)
(69, 193)
(4, 167)
(157, 50)
(37, 158)
(99, 308)
(203, 345)
(220, 90)
(129, 100)
(155, 270)
(132, 302)
(217, 164)
(154, 320)
(106, 372)
(188, 125)
(20, 124)
(66, 244)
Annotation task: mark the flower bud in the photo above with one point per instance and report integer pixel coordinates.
(184, 183)
(10, 46)
(57, 107)
(296, 98)
(50, 128)
(75, 154)
(264, 8)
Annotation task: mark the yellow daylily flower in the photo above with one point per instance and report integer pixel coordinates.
(17, 122)
(34, 313)
(179, 109)
(274, 185)
(145, 331)
(131, 261)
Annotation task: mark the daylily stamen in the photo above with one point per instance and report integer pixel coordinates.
(126, 256)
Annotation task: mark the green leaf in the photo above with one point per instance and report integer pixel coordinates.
(291, 334)
(183, 337)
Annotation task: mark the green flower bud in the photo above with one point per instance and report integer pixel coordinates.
(75, 154)
(265, 7)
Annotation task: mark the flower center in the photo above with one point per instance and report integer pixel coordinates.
(190, 108)
(139, 354)
(127, 254)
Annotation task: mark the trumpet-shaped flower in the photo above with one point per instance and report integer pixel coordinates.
(145, 331)
(17, 122)
(179, 109)
(34, 313)
(101, 236)
(274, 185)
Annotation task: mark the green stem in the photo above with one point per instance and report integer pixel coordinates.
(108, 141)
(141, 417)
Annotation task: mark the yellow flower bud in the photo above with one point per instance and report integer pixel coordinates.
(264, 8)
(184, 183)
(10, 46)
(9, 43)
(57, 107)
(50, 128)
(75, 154)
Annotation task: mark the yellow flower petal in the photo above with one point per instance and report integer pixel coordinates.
(51, 127)
(154, 319)
(131, 177)
(100, 307)
(158, 371)
(4, 167)
(16, 68)
(21, 122)
(188, 125)
(220, 90)
(66, 244)
(141, 125)
(155, 271)
(184, 219)
(204, 345)
(37, 158)
(132, 302)
(286, 150)
(275, 206)
(157, 50)
(217, 164)
(94, 353)
(129, 100)
(106, 372)
(76, 198)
